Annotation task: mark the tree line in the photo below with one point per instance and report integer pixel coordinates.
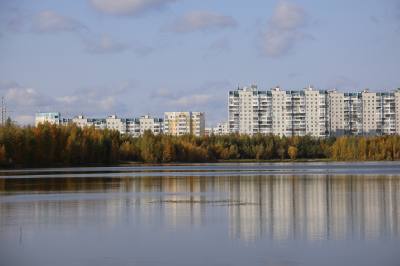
(51, 145)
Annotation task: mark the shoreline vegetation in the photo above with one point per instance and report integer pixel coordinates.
(50, 146)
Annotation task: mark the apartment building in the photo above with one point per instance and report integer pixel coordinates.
(278, 112)
(386, 113)
(250, 111)
(182, 123)
(369, 114)
(48, 117)
(115, 123)
(317, 113)
(132, 126)
(208, 131)
(221, 129)
(147, 122)
(397, 110)
(82, 122)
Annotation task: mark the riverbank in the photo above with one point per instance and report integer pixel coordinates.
(56, 146)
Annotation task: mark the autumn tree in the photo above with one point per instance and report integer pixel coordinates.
(292, 152)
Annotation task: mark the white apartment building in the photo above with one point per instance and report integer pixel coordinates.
(386, 113)
(278, 112)
(208, 131)
(353, 113)
(115, 123)
(147, 122)
(220, 129)
(369, 114)
(133, 126)
(279, 116)
(346, 113)
(397, 109)
(48, 117)
(82, 122)
(182, 123)
(336, 113)
(317, 113)
(249, 111)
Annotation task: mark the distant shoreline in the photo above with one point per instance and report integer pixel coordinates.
(70, 146)
(138, 164)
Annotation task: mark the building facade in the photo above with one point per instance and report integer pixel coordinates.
(48, 117)
(155, 125)
(115, 123)
(318, 113)
(132, 126)
(182, 123)
(221, 129)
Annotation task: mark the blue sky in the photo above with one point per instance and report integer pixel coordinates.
(136, 57)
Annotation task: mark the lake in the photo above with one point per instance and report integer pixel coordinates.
(202, 214)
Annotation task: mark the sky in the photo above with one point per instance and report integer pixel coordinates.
(137, 57)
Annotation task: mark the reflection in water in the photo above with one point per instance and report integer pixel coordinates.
(254, 207)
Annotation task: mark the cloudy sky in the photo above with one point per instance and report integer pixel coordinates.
(135, 57)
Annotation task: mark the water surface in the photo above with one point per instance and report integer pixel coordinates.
(205, 214)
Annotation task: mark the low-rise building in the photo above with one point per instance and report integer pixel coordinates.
(115, 123)
(155, 125)
(48, 117)
(221, 129)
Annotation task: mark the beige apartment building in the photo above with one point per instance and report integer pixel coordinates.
(182, 123)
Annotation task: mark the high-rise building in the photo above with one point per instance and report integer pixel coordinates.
(317, 113)
(278, 112)
(250, 111)
(397, 110)
(182, 123)
(369, 114)
(386, 113)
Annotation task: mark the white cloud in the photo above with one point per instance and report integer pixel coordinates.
(49, 22)
(284, 29)
(23, 102)
(128, 7)
(206, 98)
(90, 101)
(190, 100)
(288, 16)
(103, 45)
(25, 98)
(201, 21)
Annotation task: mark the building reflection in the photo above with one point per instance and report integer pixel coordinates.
(314, 207)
